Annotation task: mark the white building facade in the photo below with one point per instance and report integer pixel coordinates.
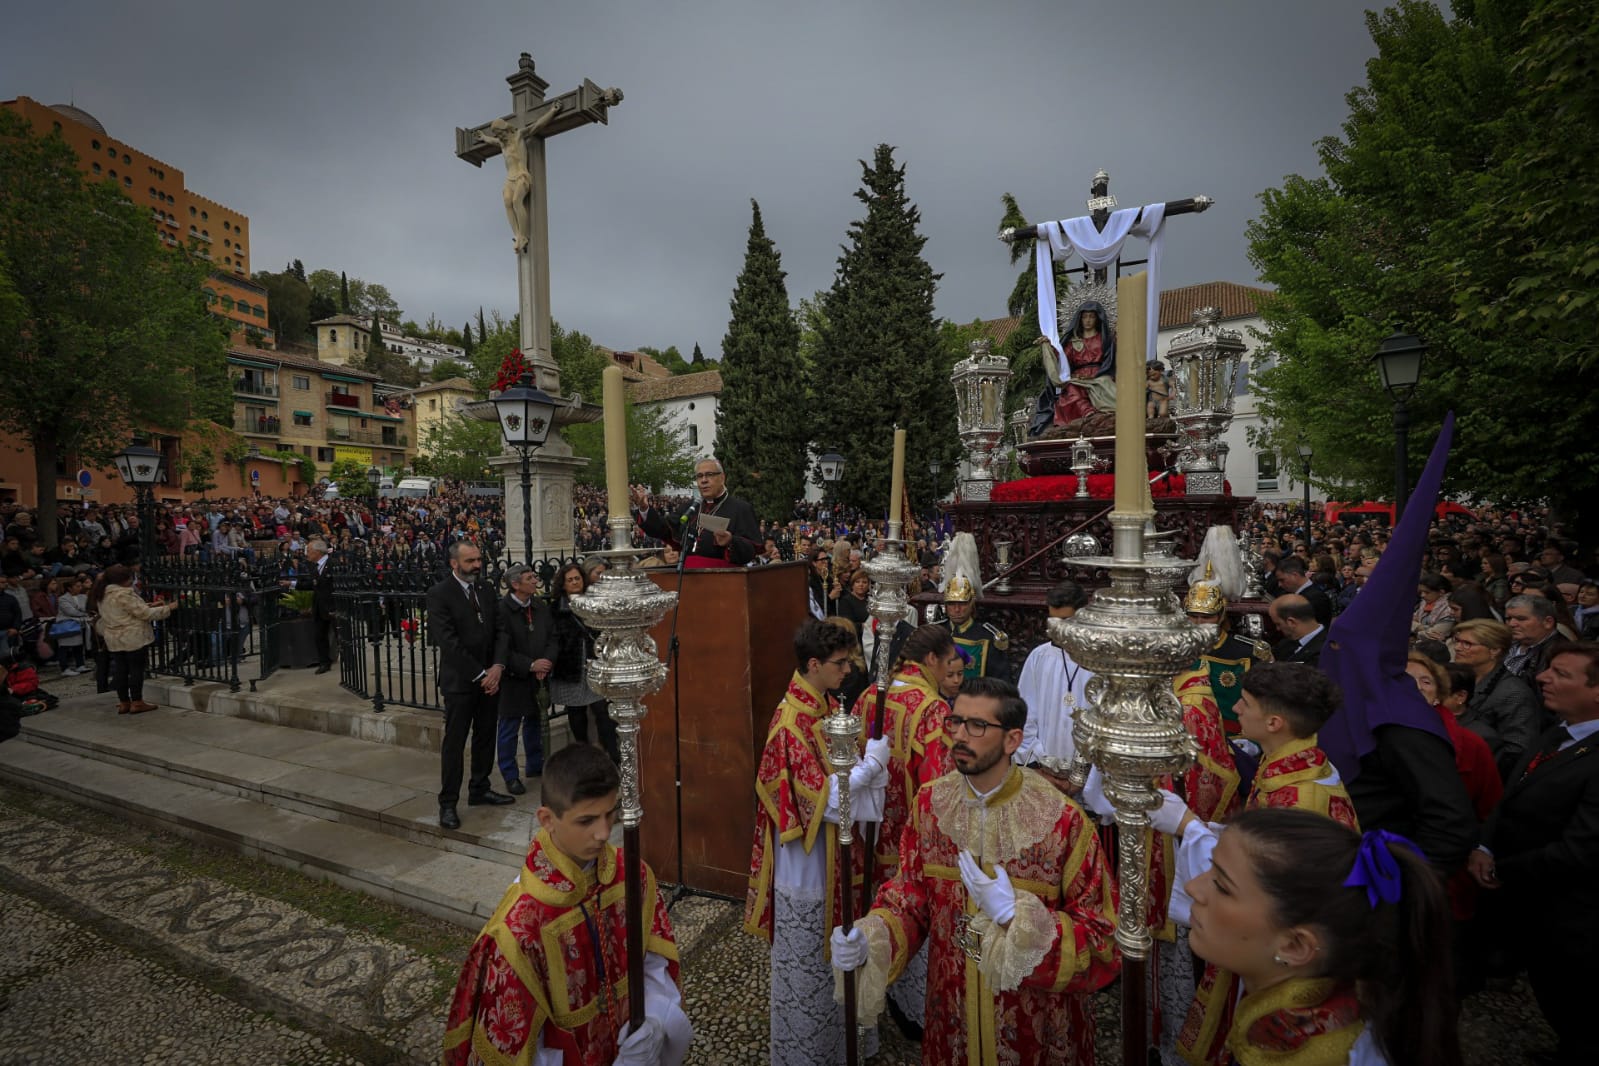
(689, 403)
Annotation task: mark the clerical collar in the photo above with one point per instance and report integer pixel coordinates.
(711, 505)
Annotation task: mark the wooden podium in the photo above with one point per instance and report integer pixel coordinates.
(735, 634)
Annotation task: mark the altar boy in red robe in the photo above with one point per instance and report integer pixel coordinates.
(521, 1000)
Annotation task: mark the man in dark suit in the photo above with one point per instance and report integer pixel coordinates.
(1540, 851)
(1303, 635)
(462, 621)
(524, 648)
(1294, 577)
(737, 545)
(320, 582)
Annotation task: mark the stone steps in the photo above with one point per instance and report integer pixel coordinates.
(361, 813)
(304, 700)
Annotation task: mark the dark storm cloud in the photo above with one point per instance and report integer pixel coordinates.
(331, 126)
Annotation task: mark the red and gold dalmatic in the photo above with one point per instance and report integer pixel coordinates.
(913, 725)
(1294, 777)
(1209, 786)
(1024, 1001)
(552, 962)
(791, 788)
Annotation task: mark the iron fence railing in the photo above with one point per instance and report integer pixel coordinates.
(386, 654)
(224, 626)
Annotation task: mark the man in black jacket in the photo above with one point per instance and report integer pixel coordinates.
(320, 583)
(737, 545)
(1540, 852)
(462, 622)
(524, 648)
(1303, 635)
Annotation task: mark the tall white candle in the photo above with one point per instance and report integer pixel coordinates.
(614, 393)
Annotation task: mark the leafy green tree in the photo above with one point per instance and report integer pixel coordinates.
(200, 469)
(102, 330)
(350, 477)
(445, 369)
(353, 296)
(879, 360)
(658, 454)
(1446, 210)
(297, 268)
(459, 447)
(1026, 357)
(288, 304)
(761, 428)
(671, 359)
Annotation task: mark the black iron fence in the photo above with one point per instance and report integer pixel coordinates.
(380, 600)
(225, 626)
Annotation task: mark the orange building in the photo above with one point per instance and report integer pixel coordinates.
(182, 218)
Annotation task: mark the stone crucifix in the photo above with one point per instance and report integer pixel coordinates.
(519, 137)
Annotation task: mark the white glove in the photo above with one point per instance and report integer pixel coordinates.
(1170, 814)
(642, 1048)
(872, 770)
(877, 752)
(994, 896)
(1094, 797)
(849, 952)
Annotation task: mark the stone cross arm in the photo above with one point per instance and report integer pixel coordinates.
(581, 106)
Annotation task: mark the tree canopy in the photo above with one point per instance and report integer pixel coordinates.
(1448, 209)
(102, 330)
(761, 430)
(879, 360)
(353, 296)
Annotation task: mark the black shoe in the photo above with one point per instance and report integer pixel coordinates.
(324, 668)
(448, 819)
(515, 787)
(491, 798)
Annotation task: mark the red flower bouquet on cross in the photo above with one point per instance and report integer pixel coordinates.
(512, 367)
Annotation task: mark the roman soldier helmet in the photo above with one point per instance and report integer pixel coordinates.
(963, 576)
(1205, 596)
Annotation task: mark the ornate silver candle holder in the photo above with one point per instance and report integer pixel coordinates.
(1204, 366)
(1135, 639)
(980, 380)
(891, 573)
(622, 607)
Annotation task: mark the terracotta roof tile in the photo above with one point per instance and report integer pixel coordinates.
(1177, 306)
(653, 390)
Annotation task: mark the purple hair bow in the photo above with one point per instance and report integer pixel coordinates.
(1376, 870)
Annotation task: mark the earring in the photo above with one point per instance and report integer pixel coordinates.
(1279, 960)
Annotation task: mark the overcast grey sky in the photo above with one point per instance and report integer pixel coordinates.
(331, 124)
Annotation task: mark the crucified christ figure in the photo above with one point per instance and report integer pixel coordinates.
(518, 182)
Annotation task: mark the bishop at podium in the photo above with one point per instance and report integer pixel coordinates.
(719, 530)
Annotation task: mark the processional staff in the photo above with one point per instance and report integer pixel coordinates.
(891, 573)
(622, 606)
(1133, 642)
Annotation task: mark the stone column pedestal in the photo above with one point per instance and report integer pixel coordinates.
(553, 469)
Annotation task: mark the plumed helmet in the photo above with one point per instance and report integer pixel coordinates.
(1205, 596)
(963, 577)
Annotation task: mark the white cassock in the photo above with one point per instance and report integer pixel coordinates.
(1054, 687)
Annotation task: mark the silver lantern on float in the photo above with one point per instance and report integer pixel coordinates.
(980, 381)
(1204, 367)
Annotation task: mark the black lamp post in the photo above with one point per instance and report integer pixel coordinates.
(140, 467)
(526, 413)
(1305, 454)
(1398, 361)
(374, 478)
(832, 467)
(934, 468)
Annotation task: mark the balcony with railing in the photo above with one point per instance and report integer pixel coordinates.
(343, 399)
(385, 438)
(249, 385)
(257, 425)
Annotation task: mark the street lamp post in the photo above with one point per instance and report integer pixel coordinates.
(374, 478)
(140, 467)
(526, 413)
(832, 468)
(1398, 361)
(935, 468)
(1305, 454)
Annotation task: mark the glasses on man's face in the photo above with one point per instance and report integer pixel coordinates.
(975, 727)
(840, 663)
(708, 476)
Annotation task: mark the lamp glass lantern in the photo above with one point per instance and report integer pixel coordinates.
(374, 477)
(1305, 452)
(526, 414)
(139, 465)
(832, 467)
(1398, 361)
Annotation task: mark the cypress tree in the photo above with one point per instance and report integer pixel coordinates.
(344, 292)
(482, 327)
(878, 356)
(699, 356)
(466, 341)
(761, 429)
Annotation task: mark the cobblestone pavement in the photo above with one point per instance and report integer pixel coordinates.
(108, 954)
